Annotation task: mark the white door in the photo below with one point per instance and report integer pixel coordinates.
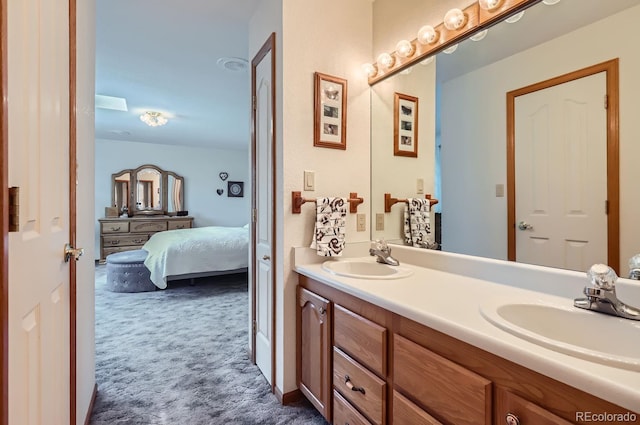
(38, 92)
(264, 203)
(561, 174)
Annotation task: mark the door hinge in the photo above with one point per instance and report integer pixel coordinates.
(254, 215)
(253, 102)
(14, 209)
(606, 207)
(606, 101)
(254, 327)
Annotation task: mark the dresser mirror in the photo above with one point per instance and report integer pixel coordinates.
(463, 121)
(147, 190)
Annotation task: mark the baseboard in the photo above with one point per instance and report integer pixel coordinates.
(90, 409)
(290, 397)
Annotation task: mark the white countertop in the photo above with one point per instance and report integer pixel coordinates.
(450, 303)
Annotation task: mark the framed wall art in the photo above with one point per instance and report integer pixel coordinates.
(235, 189)
(330, 112)
(405, 125)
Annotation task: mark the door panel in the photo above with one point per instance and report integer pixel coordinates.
(561, 174)
(38, 110)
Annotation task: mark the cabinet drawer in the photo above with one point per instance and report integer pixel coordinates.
(449, 392)
(407, 413)
(115, 227)
(527, 413)
(346, 414)
(148, 226)
(362, 388)
(361, 338)
(124, 240)
(179, 224)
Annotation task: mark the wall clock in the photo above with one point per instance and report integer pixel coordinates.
(235, 189)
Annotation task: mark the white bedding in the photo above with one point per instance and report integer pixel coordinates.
(201, 249)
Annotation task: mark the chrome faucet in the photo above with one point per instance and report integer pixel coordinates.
(380, 249)
(601, 296)
(634, 267)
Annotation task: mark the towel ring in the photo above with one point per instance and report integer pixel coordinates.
(389, 201)
(297, 201)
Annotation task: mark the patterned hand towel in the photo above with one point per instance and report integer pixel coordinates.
(417, 223)
(330, 223)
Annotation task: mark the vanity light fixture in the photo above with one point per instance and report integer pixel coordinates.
(406, 71)
(479, 35)
(515, 18)
(428, 35)
(404, 49)
(550, 2)
(427, 61)
(490, 5)
(370, 69)
(385, 60)
(455, 19)
(153, 119)
(450, 49)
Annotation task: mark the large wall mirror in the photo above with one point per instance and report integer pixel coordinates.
(462, 157)
(147, 190)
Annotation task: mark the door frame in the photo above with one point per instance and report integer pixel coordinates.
(268, 46)
(4, 213)
(611, 70)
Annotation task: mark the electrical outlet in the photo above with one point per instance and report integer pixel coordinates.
(362, 222)
(309, 180)
(379, 221)
(420, 186)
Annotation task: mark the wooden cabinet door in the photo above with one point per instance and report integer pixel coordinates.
(512, 409)
(314, 350)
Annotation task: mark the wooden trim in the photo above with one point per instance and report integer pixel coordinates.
(4, 220)
(290, 397)
(611, 68)
(73, 178)
(87, 416)
(268, 46)
(397, 97)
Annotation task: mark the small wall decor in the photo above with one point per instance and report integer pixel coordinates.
(330, 112)
(235, 189)
(219, 191)
(405, 125)
(223, 175)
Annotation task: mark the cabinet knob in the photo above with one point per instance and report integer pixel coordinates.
(512, 419)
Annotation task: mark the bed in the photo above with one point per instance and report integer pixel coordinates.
(196, 252)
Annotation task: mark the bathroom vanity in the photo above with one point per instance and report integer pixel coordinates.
(418, 349)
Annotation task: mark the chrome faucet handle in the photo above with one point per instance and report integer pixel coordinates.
(634, 267)
(602, 276)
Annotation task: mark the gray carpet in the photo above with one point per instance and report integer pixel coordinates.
(179, 357)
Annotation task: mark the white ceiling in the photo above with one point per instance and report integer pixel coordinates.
(161, 55)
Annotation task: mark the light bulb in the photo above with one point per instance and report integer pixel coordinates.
(428, 35)
(404, 49)
(490, 5)
(455, 19)
(406, 71)
(370, 69)
(479, 35)
(550, 2)
(515, 18)
(450, 49)
(427, 61)
(385, 60)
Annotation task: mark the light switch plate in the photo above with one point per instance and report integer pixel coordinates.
(420, 186)
(499, 191)
(309, 180)
(379, 221)
(362, 222)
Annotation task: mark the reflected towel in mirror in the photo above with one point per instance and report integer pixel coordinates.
(417, 223)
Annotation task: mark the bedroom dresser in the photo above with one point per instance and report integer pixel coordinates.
(129, 233)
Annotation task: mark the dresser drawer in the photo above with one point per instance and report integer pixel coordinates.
(114, 227)
(179, 224)
(113, 250)
(124, 240)
(359, 386)
(361, 339)
(148, 226)
(346, 414)
(527, 413)
(445, 389)
(407, 413)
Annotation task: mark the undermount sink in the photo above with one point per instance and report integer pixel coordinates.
(362, 269)
(580, 333)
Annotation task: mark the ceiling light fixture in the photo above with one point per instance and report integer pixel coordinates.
(153, 119)
(233, 64)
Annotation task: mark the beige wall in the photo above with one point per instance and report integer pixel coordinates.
(473, 155)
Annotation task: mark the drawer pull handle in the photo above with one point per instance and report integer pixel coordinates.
(115, 242)
(347, 382)
(512, 419)
(181, 226)
(138, 240)
(115, 229)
